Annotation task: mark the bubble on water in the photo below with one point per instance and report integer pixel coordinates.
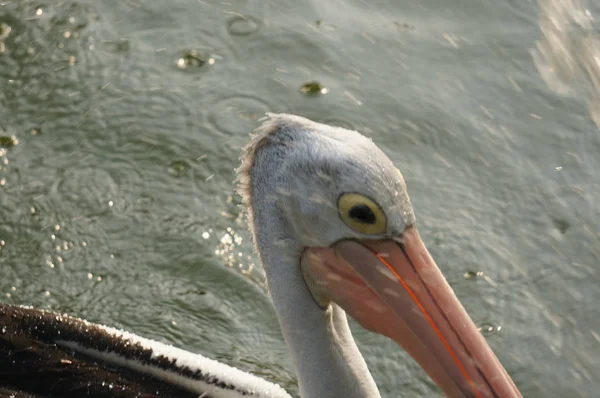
(242, 25)
(488, 328)
(193, 59)
(473, 274)
(562, 225)
(178, 168)
(8, 141)
(313, 88)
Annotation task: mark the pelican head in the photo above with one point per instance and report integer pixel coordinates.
(335, 229)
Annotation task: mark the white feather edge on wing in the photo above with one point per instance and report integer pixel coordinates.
(245, 384)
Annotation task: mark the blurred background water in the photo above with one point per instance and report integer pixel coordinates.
(121, 122)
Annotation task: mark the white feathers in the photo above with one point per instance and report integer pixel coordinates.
(218, 380)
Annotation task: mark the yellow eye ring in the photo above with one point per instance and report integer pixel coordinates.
(361, 214)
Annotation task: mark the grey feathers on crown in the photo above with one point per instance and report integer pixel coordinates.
(271, 124)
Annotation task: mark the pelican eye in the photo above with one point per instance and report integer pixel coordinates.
(361, 214)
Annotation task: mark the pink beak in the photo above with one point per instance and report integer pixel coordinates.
(396, 289)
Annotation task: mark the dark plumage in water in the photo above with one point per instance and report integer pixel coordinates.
(32, 364)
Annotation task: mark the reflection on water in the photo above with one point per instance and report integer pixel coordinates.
(568, 55)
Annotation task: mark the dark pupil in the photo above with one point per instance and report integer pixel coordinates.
(363, 214)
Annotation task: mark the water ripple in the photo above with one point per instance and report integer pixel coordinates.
(243, 25)
(238, 114)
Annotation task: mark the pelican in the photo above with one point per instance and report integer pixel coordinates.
(335, 230)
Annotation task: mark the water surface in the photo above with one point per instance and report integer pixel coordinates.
(117, 201)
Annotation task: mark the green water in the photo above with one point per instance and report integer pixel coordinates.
(116, 195)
